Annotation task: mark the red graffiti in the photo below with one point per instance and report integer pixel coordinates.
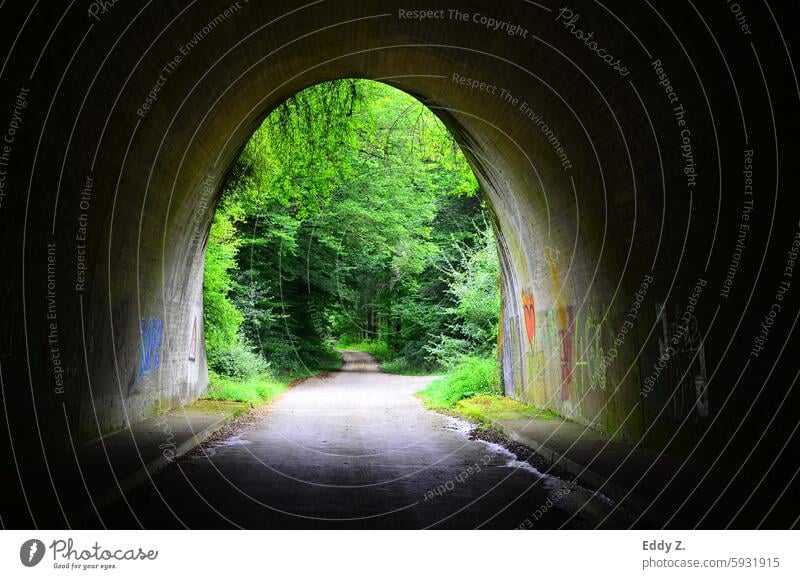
(193, 343)
(567, 348)
(529, 309)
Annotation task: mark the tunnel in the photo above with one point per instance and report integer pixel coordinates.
(637, 160)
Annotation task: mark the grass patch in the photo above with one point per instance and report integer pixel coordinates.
(217, 407)
(483, 408)
(255, 390)
(472, 389)
(471, 377)
(259, 388)
(400, 365)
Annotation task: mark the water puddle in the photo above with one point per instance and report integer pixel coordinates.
(209, 450)
(567, 496)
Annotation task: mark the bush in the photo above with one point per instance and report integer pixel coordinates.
(236, 360)
(401, 365)
(255, 390)
(471, 377)
(448, 352)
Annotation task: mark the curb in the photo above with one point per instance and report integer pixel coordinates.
(591, 479)
(144, 473)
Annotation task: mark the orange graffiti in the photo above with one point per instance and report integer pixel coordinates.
(529, 309)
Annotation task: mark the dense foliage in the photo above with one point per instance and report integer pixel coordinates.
(351, 216)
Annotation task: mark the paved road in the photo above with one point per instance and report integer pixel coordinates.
(357, 450)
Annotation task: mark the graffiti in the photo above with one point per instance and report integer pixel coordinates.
(565, 324)
(567, 339)
(193, 343)
(540, 260)
(529, 309)
(681, 351)
(591, 348)
(535, 376)
(152, 332)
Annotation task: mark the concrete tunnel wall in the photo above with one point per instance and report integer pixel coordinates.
(604, 224)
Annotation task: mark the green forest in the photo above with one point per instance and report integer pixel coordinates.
(351, 220)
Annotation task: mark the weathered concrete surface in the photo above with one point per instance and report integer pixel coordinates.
(114, 465)
(633, 477)
(621, 202)
(356, 450)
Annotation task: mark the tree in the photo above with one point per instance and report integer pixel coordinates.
(348, 215)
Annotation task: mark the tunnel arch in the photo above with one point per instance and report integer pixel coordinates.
(583, 186)
(486, 164)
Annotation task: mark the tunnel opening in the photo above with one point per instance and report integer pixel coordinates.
(350, 220)
(566, 343)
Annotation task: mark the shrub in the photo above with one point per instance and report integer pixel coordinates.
(401, 365)
(471, 377)
(236, 360)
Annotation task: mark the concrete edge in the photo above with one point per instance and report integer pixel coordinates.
(144, 474)
(622, 496)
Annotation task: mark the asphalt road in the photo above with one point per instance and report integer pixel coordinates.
(356, 450)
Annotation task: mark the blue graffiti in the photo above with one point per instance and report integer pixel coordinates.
(152, 330)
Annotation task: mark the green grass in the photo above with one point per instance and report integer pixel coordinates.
(484, 408)
(217, 407)
(255, 390)
(473, 390)
(401, 366)
(262, 387)
(471, 377)
(381, 350)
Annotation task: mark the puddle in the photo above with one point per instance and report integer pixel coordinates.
(459, 426)
(554, 485)
(209, 450)
(511, 459)
(233, 441)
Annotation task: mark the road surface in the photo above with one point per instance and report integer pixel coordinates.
(357, 449)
